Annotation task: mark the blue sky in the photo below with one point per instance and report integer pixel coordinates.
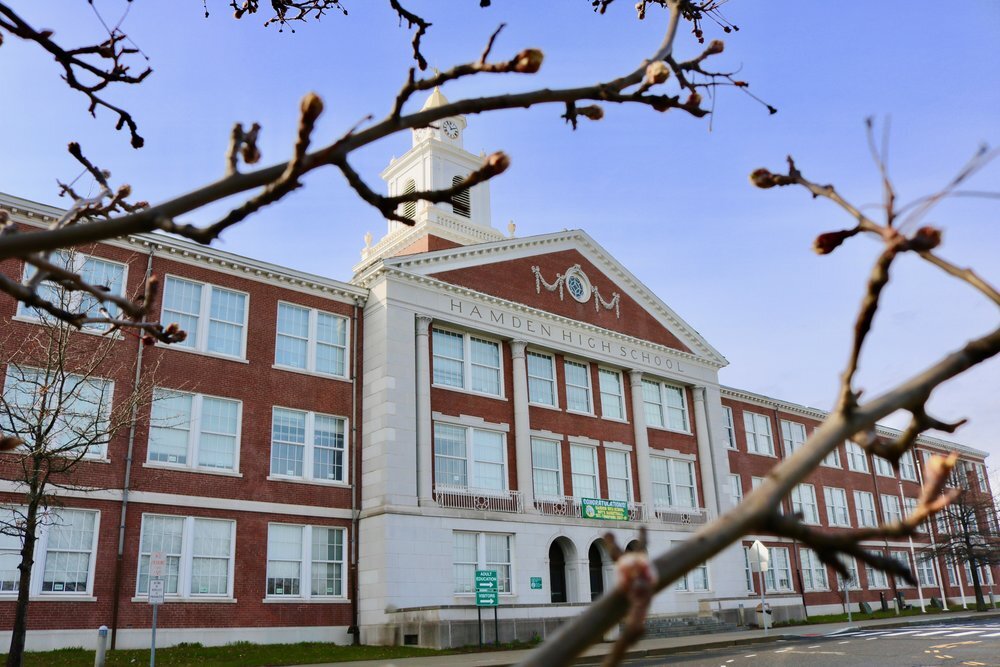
(665, 194)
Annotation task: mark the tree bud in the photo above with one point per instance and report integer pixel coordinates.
(762, 178)
(528, 61)
(926, 238)
(657, 72)
(715, 46)
(826, 243)
(497, 163)
(593, 112)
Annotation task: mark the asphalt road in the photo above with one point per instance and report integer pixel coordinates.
(972, 644)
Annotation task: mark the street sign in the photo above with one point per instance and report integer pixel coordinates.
(486, 580)
(536, 583)
(607, 510)
(157, 565)
(156, 590)
(759, 557)
(487, 599)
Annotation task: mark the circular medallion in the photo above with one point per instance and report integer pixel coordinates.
(578, 285)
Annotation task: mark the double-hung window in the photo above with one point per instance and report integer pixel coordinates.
(577, 387)
(612, 394)
(903, 558)
(758, 430)
(876, 578)
(832, 460)
(864, 503)
(779, 570)
(73, 412)
(925, 571)
(980, 475)
(813, 571)
(466, 457)
(665, 406)
(65, 552)
(102, 273)
(194, 430)
(736, 488)
(673, 482)
(308, 445)
(305, 562)
(837, 513)
(619, 471)
(793, 436)
(541, 379)
(882, 466)
(214, 318)
(466, 362)
(481, 551)
(728, 427)
(851, 582)
(583, 462)
(695, 580)
(546, 468)
(199, 554)
(804, 502)
(909, 507)
(890, 508)
(856, 459)
(907, 468)
(311, 340)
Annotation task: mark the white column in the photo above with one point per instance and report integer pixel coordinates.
(425, 441)
(522, 425)
(642, 462)
(705, 463)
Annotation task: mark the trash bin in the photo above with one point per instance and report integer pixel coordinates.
(764, 616)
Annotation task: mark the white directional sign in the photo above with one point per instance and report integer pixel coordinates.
(157, 564)
(759, 557)
(157, 587)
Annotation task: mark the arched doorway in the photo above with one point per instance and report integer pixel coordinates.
(557, 573)
(595, 558)
(634, 545)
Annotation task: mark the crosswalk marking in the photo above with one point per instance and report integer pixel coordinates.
(931, 633)
(993, 634)
(963, 634)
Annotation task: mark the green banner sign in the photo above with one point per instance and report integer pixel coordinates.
(487, 599)
(608, 510)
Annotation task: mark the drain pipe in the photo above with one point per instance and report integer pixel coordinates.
(128, 475)
(355, 474)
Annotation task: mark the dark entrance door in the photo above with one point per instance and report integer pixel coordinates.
(596, 572)
(557, 573)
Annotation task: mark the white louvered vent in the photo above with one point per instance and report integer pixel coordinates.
(410, 207)
(460, 202)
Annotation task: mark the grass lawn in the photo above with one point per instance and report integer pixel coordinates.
(859, 616)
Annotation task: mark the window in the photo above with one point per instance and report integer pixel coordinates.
(308, 445)
(832, 459)
(836, 507)
(747, 570)
(311, 340)
(577, 387)
(665, 406)
(736, 489)
(93, 270)
(612, 404)
(907, 469)
(882, 466)
(925, 572)
(199, 555)
(852, 582)
(546, 468)
(980, 475)
(890, 508)
(910, 506)
(903, 558)
(813, 571)
(194, 430)
(541, 379)
(214, 318)
(469, 458)
(410, 207)
(64, 552)
(804, 501)
(758, 429)
(673, 482)
(72, 410)
(856, 459)
(941, 519)
(314, 554)
(695, 580)
(619, 472)
(876, 578)
(481, 551)
(864, 504)
(779, 571)
(793, 436)
(466, 362)
(728, 428)
(952, 577)
(460, 203)
(583, 464)
(755, 483)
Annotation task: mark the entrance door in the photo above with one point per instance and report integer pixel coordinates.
(557, 573)
(596, 572)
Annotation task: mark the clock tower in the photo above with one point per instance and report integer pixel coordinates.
(437, 160)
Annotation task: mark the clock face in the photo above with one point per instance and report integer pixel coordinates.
(450, 129)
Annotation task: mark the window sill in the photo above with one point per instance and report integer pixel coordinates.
(668, 429)
(92, 332)
(312, 482)
(11, 596)
(315, 374)
(203, 353)
(830, 465)
(315, 600)
(581, 413)
(460, 390)
(764, 454)
(200, 471)
(544, 406)
(840, 525)
(879, 474)
(172, 600)
(850, 469)
(615, 419)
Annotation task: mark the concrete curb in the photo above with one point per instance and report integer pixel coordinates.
(689, 648)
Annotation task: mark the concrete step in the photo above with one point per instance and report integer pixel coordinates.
(684, 627)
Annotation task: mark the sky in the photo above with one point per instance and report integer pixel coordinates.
(666, 194)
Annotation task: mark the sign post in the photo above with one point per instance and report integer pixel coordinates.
(759, 559)
(488, 595)
(157, 588)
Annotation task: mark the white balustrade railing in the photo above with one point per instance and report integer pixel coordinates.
(483, 500)
(572, 507)
(694, 516)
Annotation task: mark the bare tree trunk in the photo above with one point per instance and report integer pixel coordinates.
(15, 656)
(977, 585)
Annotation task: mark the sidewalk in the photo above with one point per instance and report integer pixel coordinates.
(671, 645)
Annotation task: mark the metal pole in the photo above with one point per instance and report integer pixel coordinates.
(479, 613)
(152, 646)
(102, 646)
(496, 625)
(763, 603)
(847, 596)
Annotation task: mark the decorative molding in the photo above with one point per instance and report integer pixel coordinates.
(562, 278)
